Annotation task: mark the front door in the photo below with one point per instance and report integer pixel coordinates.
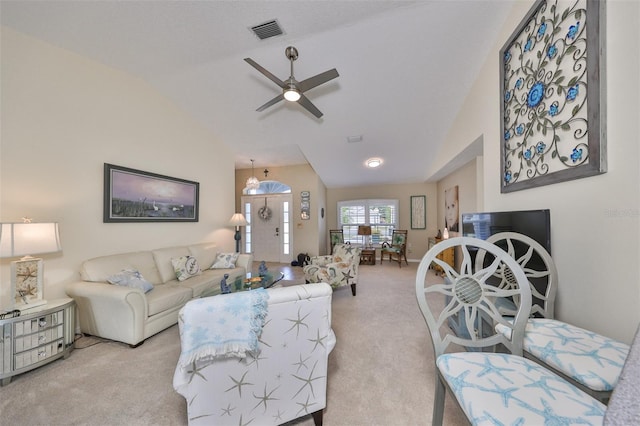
(269, 231)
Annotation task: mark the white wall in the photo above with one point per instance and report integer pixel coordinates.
(63, 117)
(595, 232)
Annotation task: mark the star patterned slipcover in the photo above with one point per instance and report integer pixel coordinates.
(339, 269)
(285, 379)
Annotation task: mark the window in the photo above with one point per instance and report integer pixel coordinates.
(382, 215)
(247, 229)
(286, 230)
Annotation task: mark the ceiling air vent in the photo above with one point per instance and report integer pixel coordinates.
(267, 29)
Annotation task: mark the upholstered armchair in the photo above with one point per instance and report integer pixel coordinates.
(338, 270)
(284, 379)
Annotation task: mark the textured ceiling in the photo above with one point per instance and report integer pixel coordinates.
(405, 68)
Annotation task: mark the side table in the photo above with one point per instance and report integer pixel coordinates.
(447, 256)
(368, 256)
(36, 337)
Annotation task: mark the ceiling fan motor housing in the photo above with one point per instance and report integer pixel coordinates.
(292, 89)
(291, 52)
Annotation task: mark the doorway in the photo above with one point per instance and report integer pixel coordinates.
(268, 234)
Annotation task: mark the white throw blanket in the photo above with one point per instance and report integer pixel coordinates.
(227, 325)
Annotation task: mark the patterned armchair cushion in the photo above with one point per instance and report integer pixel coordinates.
(321, 260)
(398, 242)
(340, 269)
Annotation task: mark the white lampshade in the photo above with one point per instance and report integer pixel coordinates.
(25, 239)
(238, 220)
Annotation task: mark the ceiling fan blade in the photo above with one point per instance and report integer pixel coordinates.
(271, 102)
(270, 76)
(305, 102)
(317, 80)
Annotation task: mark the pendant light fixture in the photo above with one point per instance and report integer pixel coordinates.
(253, 182)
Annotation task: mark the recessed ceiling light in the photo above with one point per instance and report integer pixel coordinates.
(372, 163)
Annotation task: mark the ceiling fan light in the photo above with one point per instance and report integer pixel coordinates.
(292, 94)
(372, 163)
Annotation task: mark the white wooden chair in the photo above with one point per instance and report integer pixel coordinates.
(589, 360)
(491, 388)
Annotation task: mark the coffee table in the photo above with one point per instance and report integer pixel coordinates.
(255, 281)
(242, 284)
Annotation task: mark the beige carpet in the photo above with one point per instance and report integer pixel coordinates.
(380, 373)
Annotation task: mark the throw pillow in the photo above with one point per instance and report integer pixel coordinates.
(225, 261)
(185, 267)
(132, 279)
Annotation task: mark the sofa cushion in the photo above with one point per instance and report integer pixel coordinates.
(167, 296)
(225, 261)
(131, 278)
(163, 258)
(99, 269)
(205, 253)
(185, 267)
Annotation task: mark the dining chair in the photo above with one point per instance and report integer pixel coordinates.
(336, 236)
(589, 360)
(397, 248)
(491, 387)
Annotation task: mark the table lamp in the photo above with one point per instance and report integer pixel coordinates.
(365, 231)
(24, 240)
(238, 220)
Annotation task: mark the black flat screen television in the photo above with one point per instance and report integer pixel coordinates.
(535, 224)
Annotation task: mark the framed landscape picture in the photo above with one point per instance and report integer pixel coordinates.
(135, 196)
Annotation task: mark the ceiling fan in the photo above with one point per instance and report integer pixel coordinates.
(292, 89)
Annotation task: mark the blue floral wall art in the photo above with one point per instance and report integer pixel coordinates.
(552, 74)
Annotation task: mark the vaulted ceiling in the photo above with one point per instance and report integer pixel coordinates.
(405, 68)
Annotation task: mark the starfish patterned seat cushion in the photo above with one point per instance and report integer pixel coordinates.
(588, 358)
(494, 388)
(286, 378)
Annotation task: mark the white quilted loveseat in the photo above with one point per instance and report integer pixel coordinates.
(282, 377)
(130, 315)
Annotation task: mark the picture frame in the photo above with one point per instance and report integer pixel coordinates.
(418, 212)
(132, 195)
(27, 284)
(553, 111)
(305, 205)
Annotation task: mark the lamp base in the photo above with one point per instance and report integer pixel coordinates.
(237, 237)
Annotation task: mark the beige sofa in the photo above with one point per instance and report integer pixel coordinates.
(130, 315)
